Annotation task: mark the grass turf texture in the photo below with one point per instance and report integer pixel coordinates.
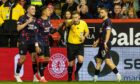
(81, 82)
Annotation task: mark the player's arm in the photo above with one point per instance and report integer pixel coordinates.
(53, 30)
(98, 40)
(108, 31)
(95, 43)
(21, 26)
(107, 37)
(86, 32)
(68, 23)
(37, 48)
(64, 25)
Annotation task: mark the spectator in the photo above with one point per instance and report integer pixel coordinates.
(63, 30)
(47, 2)
(132, 13)
(23, 3)
(53, 14)
(92, 5)
(117, 12)
(137, 5)
(84, 13)
(67, 15)
(108, 4)
(128, 3)
(82, 8)
(117, 1)
(124, 12)
(69, 5)
(1, 36)
(138, 11)
(2, 2)
(82, 2)
(9, 14)
(97, 15)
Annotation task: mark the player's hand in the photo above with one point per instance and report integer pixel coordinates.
(37, 49)
(95, 43)
(106, 47)
(30, 20)
(78, 8)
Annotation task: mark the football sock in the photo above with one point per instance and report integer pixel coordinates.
(78, 66)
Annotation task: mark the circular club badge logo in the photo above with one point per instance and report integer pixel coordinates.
(58, 65)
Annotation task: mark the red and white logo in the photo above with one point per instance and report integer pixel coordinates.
(58, 65)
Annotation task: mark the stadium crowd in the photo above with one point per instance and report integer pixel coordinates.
(88, 9)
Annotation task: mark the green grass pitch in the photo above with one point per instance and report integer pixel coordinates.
(81, 82)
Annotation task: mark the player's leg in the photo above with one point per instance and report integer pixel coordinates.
(79, 63)
(110, 63)
(33, 54)
(41, 60)
(20, 62)
(71, 59)
(78, 66)
(99, 61)
(80, 53)
(70, 69)
(18, 68)
(22, 52)
(34, 66)
(41, 68)
(97, 69)
(113, 68)
(46, 61)
(47, 56)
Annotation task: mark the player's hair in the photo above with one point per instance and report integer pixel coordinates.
(105, 9)
(28, 6)
(75, 12)
(43, 8)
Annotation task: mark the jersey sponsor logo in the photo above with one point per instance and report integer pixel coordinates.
(58, 65)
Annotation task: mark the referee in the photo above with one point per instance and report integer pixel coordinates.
(75, 46)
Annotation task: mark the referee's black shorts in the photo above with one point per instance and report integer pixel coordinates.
(73, 50)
